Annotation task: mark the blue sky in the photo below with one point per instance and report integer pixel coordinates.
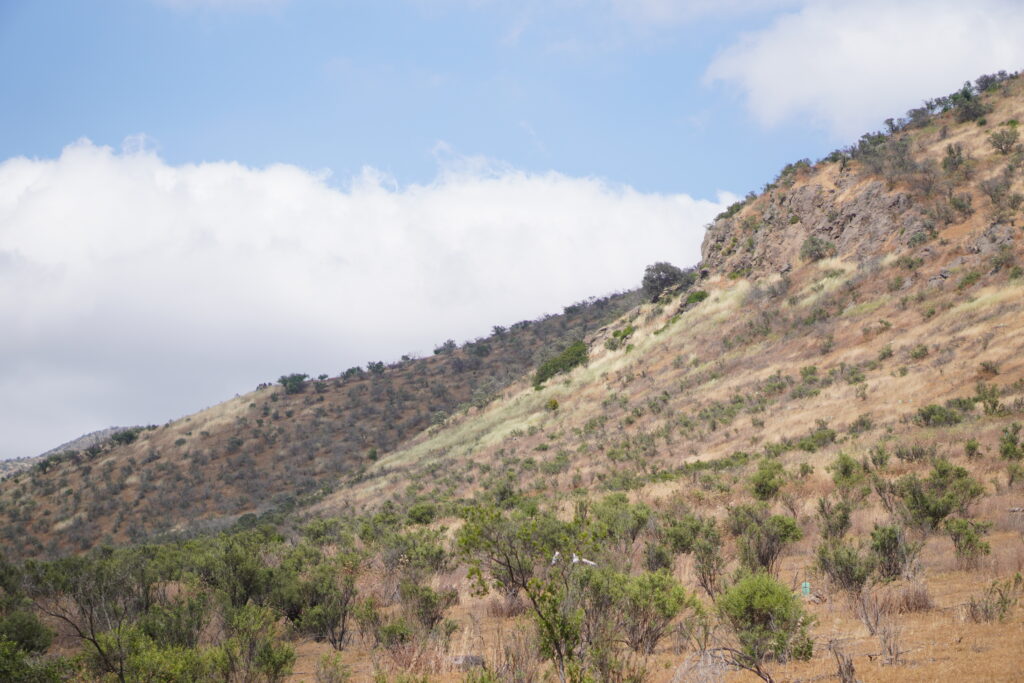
(200, 195)
(340, 85)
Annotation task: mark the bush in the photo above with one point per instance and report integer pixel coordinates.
(844, 565)
(767, 621)
(769, 478)
(966, 535)
(1010, 446)
(761, 539)
(936, 416)
(697, 296)
(26, 631)
(918, 352)
(834, 518)
(293, 383)
(660, 276)
(1003, 140)
(894, 554)
(816, 248)
(997, 601)
(947, 489)
(574, 355)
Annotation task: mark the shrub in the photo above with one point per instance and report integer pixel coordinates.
(972, 449)
(834, 518)
(819, 437)
(918, 352)
(293, 383)
(844, 565)
(894, 554)
(767, 480)
(767, 621)
(966, 535)
(816, 248)
(1009, 443)
(660, 276)
(947, 489)
(572, 356)
(997, 601)
(696, 296)
(1004, 140)
(26, 631)
(761, 538)
(936, 416)
(967, 280)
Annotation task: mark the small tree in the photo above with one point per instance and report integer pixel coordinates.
(1004, 140)
(767, 621)
(660, 276)
(894, 554)
(293, 383)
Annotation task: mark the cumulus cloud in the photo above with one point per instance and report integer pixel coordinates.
(849, 65)
(134, 291)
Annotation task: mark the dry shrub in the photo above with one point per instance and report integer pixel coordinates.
(514, 657)
(844, 663)
(907, 598)
(505, 606)
(997, 600)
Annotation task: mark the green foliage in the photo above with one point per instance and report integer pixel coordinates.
(894, 553)
(850, 478)
(125, 436)
(574, 355)
(16, 666)
(426, 605)
(967, 541)
(648, 603)
(947, 489)
(818, 438)
(767, 621)
(660, 276)
(844, 565)
(767, 480)
(422, 513)
(252, 650)
(918, 352)
(834, 518)
(293, 383)
(24, 629)
(761, 538)
(816, 248)
(1004, 140)
(696, 296)
(933, 415)
(1010, 446)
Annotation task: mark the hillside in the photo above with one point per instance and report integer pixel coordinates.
(837, 400)
(265, 449)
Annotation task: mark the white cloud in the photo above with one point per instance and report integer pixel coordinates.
(849, 65)
(135, 291)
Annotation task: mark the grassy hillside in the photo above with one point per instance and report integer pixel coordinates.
(269, 448)
(839, 400)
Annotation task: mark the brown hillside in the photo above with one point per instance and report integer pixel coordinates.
(264, 450)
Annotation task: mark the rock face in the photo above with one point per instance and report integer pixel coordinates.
(861, 219)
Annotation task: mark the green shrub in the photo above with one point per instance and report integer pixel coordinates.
(26, 631)
(933, 415)
(1010, 446)
(966, 535)
(767, 480)
(767, 621)
(574, 355)
(293, 383)
(834, 518)
(844, 565)
(972, 449)
(894, 554)
(967, 280)
(918, 352)
(695, 297)
(947, 489)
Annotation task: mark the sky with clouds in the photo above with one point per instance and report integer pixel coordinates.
(200, 195)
